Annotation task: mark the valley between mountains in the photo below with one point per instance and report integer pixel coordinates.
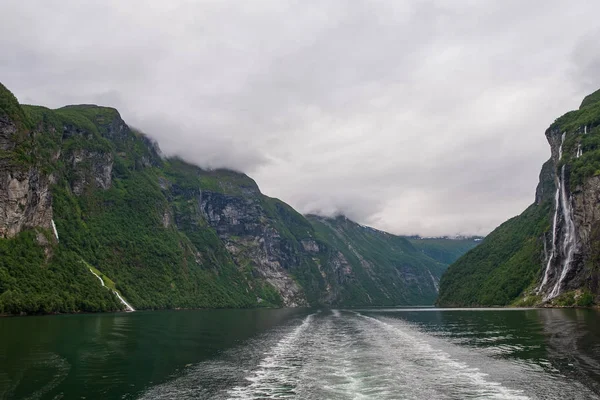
(93, 217)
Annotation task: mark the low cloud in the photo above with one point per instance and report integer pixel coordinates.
(415, 117)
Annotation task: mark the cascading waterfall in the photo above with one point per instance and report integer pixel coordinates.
(126, 304)
(554, 222)
(553, 251)
(98, 276)
(579, 151)
(568, 245)
(563, 204)
(55, 231)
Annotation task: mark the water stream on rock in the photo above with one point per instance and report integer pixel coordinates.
(126, 304)
(54, 230)
(562, 203)
(554, 223)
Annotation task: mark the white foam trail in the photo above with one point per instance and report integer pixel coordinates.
(359, 357)
(55, 231)
(441, 365)
(336, 313)
(126, 304)
(276, 375)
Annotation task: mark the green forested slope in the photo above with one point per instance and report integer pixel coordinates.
(505, 263)
(509, 265)
(376, 259)
(443, 249)
(169, 234)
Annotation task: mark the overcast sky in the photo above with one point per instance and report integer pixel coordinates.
(420, 117)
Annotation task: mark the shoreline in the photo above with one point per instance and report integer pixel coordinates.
(423, 307)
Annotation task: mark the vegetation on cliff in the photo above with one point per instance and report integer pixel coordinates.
(170, 234)
(508, 266)
(498, 270)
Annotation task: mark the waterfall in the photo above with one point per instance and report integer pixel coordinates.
(126, 304)
(568, 245)
(579, 152)
(585, 130)
(55, 231)
(554, 224)
(435, 283)
(554, 220)
(97, 276)
(560, 149)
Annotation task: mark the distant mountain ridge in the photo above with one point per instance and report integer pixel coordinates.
(94, 218)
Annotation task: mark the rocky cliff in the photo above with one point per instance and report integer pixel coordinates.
(550, 253)
(87, 203)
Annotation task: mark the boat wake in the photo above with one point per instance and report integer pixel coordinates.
(347, 355)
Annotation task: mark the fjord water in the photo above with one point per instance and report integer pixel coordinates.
(395, 353)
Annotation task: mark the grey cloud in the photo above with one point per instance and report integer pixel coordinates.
(414, 116)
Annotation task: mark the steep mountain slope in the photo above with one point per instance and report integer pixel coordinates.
(550, 253)
(444, 249)
(377, 267)
(86, 201)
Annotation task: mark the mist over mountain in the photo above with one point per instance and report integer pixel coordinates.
(412, 117)
(95, 218)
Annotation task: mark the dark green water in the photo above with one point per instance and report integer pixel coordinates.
(305, 354)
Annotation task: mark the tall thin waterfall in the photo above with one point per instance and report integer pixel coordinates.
(553, 251)
(121, 299)
(579, 151)
(126, 304)
(98, 276)
(562, 203)
(568, 246)
(554, 221)
(55, 231)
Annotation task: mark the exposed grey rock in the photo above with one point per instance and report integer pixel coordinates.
(25, 201)
(310, 246)
(7, 130)
(90, 167)
(244, 226)
(546, 187)
(167, 219)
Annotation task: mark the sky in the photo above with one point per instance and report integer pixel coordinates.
(414, 117)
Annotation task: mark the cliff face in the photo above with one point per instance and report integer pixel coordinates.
(549, 254)
(571, 269)
(82, 196)
(25, 200)
(252, 237)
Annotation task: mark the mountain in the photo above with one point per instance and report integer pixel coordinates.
(444, 249)
(550, 254)
(94, 218)
(386, 269)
